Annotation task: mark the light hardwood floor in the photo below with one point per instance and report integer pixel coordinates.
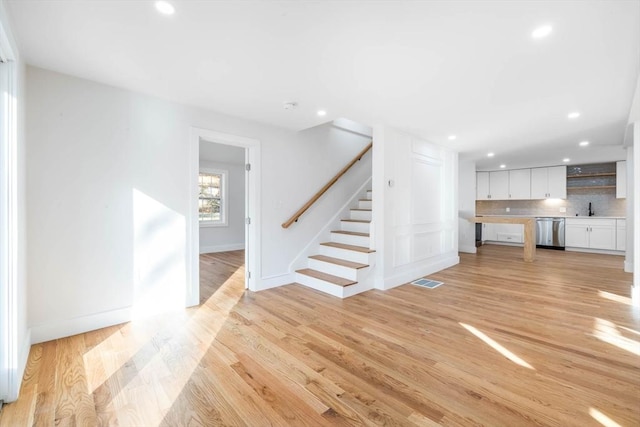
(501, 343)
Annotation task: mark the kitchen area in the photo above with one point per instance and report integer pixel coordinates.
(575, 207)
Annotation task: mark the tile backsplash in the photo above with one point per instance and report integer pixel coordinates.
(603, 203)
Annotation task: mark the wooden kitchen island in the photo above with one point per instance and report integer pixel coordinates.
(529, 231)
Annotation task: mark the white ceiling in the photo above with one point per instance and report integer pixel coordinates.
(432, 68)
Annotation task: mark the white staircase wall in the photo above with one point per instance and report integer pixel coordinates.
(415, 207)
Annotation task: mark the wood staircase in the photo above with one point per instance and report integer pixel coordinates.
(342, 265)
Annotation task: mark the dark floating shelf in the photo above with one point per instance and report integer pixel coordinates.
(591, 187)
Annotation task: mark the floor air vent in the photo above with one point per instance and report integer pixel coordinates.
(426, 283)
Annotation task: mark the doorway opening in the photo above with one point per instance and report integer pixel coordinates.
(224, 221)
(221, 215)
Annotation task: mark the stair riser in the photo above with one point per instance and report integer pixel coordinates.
(364, 204)
(320, 285)
(362, 258)
(369, 194)
(334, 269)
(358, 227)
(350, 240)
(362, 215)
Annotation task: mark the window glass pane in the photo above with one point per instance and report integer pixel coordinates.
(210, 200)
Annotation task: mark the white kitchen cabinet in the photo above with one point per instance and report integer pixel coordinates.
(488, 232)
(482, 186)
(508, 233)
(621, 235)
(590, 233)
(549, 183)
(621, 180)
(499, 185)
(520, 184)
(492, 185)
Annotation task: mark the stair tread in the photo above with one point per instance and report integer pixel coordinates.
(360, 209)
(338, 261)
(366, 200)
(348, 247)
(339, 281)
(351, 233)
(364, 221)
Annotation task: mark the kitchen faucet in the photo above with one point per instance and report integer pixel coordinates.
(591, 213)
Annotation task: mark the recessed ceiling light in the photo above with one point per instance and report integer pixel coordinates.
(452, 137)
(503, 166)
(566, 160)
(165, 7)
(490, 154)
(322, 113)
(541, 32)
(584, 143)
(573, 115)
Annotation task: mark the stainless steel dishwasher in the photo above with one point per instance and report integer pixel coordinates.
(550, 233)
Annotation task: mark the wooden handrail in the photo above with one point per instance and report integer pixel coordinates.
(324, 189)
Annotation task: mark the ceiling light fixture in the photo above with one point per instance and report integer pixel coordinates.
(566, 160)
(490, 154)
(322, 113)
(584, 143)
(541, 32)
(503, 166)
(452, 137)
(165, 7)
(573, 115)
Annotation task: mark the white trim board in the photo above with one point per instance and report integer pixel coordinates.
(79, 325)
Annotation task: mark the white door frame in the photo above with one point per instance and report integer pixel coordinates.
(9, 381)
(252, 208)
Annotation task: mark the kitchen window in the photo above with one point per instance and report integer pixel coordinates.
(212, 200)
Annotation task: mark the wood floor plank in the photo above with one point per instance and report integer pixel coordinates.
(502, 342)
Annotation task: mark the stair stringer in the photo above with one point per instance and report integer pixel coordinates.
(300, 261)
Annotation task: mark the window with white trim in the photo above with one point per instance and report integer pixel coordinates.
(212, 199)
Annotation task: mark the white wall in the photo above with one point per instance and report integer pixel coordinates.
(108, 188)
(21, 339)
(466, 206)
(231, 236)
(415, 207)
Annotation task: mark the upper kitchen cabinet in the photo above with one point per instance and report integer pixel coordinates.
(621, 180)
(549, 183)
(520, 184)
(482, 186)
(492, 185)
(504, 185)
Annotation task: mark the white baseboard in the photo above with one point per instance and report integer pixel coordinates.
(420, 271)
(78, 325)
(628, 266)
(467, 249)
(275, 281)
(221, 248)
(595, 251)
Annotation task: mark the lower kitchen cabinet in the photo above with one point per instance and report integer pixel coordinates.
(507, 233)
(621, 235)
(590, 233)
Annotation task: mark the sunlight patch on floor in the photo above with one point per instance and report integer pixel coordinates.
(608, 332)
(615, 297)
(602, 418)
(497, 347)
